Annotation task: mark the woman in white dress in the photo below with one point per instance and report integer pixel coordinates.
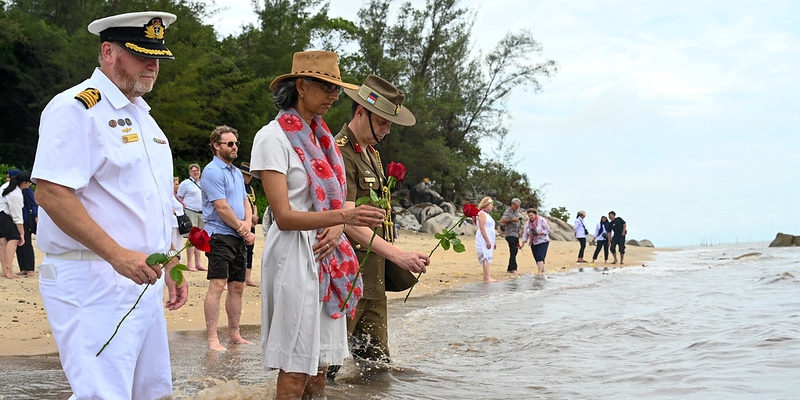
(485, 237)
(307, 263)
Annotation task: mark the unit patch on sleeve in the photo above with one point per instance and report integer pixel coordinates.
(88, 97)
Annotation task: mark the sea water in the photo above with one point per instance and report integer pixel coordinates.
(703, 323)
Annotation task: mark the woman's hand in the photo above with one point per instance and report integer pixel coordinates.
(327, 240)
(365, 215)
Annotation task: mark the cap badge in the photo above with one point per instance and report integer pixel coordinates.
(154, 29)
(372, 98)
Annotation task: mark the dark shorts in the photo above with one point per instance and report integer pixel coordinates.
(618, 241)
(227, 259)
(540, 251)
(8, 229)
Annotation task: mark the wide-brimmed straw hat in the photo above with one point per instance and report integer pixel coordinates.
(140, 33)
(382, 98)
(323, 65)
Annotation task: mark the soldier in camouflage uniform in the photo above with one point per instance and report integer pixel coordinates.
(376, 105)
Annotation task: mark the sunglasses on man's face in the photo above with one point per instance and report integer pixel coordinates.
(327, 86)
(231, 144)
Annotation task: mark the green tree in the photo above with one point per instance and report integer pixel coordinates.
(457, 98)
(560, 213)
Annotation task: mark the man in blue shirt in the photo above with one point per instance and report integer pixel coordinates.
(227, 217)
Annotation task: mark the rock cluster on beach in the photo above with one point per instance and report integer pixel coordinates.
(424, 210)
(785, 240)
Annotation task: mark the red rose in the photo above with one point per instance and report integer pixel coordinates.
(322, 168)
(397, 170)
(199, 239)
(471, 210)
(290, 122)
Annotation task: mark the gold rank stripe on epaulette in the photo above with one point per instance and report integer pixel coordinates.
(88, 97)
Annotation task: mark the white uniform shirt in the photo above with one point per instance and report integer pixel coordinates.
(117, 160)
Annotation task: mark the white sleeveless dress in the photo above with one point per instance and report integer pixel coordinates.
(480, 243)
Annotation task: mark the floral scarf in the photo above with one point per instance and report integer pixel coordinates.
(328, 186)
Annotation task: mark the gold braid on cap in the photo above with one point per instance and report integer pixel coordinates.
(380, 102)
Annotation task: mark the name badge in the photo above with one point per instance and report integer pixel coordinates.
(133, 137)
(369, 179)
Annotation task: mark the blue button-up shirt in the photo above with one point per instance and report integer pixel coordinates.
(222, 181)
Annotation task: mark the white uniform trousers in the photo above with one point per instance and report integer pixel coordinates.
(85, 301)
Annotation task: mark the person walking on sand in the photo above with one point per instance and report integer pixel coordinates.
(511, 226)
(26, 257)
(537, 234)
(308, 265)
(191, 196)
(12, 229)
(485, 237)
(601, 237)
(228, 217)
(619, 228)
(580, 234)
(103, 173)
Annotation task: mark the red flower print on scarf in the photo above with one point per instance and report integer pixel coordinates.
(322, 168)
(336, 204)
(335, 271)
(300, 153)
(290, 123)
(339, 173)
(345, 249)
(320, 193)
(325, 142)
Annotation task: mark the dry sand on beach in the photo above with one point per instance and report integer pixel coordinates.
(24, 328)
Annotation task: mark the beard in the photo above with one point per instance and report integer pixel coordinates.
(131, 85)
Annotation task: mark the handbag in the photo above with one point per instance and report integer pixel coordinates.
(184, 224)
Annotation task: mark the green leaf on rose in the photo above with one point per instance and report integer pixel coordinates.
(459, 247)
(176, 273)
(363, 200)
(156, 258)
(438, 236)
(445, 244)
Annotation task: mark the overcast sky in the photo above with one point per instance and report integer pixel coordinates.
(682, 116)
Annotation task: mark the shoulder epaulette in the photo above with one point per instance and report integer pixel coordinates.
(88, 97)
(342, 141)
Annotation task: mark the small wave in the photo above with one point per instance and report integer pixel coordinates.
(753, 255)
(782, 277)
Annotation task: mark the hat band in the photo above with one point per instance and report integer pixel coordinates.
(380, 102)
(306, 72)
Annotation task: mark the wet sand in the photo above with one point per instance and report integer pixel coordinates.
(24, 329)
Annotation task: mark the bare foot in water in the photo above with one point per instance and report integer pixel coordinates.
(490, 280)
(11, 276)
(238, 340)
(214, 345)
(251, 283)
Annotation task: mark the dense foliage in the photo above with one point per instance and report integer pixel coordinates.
(457, 95)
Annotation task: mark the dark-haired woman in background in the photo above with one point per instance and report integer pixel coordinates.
(12, 228)
(602, 235)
